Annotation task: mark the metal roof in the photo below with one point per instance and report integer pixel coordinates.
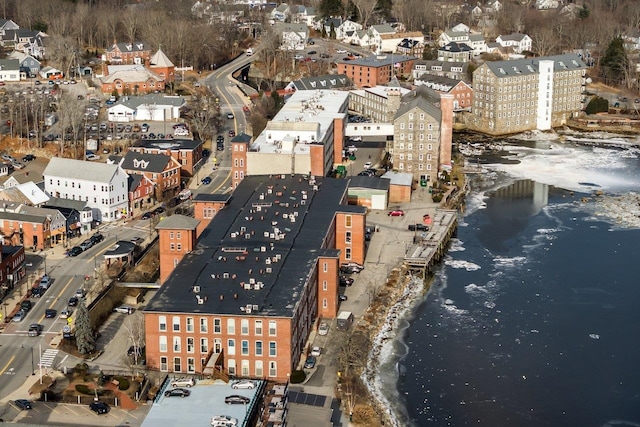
(80, 170)
(178, 222)
(260, 251)
(167, 144)
(517, 67)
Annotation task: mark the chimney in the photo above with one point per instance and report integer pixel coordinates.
(446, 128)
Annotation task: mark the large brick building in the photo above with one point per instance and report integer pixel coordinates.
(375, 70)
(527, 94)
(243, 298)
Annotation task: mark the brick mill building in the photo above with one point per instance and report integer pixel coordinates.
(375, 70)
(243, 293)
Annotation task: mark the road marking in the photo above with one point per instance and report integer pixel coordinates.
(7, 365)
(57, 298)
(46, 358)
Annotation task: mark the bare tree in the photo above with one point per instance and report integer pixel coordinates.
(205, 113)
(134, 328)
(366, 9)
(545, 40)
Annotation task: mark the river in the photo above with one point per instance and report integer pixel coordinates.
(532, 318)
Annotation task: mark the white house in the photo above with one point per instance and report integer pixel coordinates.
(346, 30)
(9, 70)
(547, 4)
(281, 13)
(519, 42)
(376, 33)
(102, 186)
(461, 28)
(305, 15)
(293, 36)
(152, 107)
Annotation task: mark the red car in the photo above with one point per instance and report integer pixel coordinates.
(397, 212)
(232, 133)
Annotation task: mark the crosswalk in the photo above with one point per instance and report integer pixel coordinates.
(46, 358)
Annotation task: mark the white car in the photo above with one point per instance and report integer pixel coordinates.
(92, 157)
(355, 138)
(323, 329)
(368, 165)
(247, 384)
(298, 57)
(183, 382)
(181, 132)
(124, 309)
(64, 314)
(223, 421)
(341, 51)
(316, 351)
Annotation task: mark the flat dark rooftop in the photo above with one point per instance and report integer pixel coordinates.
(259, 251)
(167, 144)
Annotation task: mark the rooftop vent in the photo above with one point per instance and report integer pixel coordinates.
(196, 289)
(200, 300)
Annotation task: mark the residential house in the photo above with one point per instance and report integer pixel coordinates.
(6, 25)
(376, 70)
(161, 169)
(452, 70)
(151, 107)
(493, 6)
(346, 30)
(281, 13)
(130, 80)
(329, 81)
(410, 47)
(28, 63)
(378, 33)
(79, 216)
(305, 15)
(4, 169)
(632, 40)
(547, 4)
(455, 52)
(527, 94)
(329, 26)
(187, 152)
(293, 36)
(461, 91)
(26, 192)
(474, 41)
(102, 186)
(461, 28)
(519, 42)
(423, 129)
(135, 53)
(9, 70)
(390, 42)
(57, 223)
(141, 194)
(261, 299)
(27, 41)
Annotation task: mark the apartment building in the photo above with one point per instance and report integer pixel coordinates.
(102, 186)
(527, 94)
(187, 152)
(378, 103)
(162, 170)
(375, 70)
(422, 134)
(244, 299)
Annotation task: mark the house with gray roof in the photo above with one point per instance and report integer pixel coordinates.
(161, 169)
(452, 70)
(151, 107)
(539, 93)
(9, 70)
(329, 81)
(26, 61)
(102, 186)
(292, 36)
(519, 42)
(455, 52)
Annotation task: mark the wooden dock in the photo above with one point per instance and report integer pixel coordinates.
(428, 247)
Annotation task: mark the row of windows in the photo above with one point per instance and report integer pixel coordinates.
(420, 126)
(231, 366)
(409, 156)
(177, 235)
(95, 199)
(420, 137)
(103, 188)
(190, 342)
(203, 323)
(400, 146)
(409, 166)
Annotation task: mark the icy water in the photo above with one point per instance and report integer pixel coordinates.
(533, 319)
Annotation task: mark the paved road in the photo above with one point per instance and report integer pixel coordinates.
(68, 275)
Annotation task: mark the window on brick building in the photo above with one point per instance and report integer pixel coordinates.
(177, 364)
(164, 364)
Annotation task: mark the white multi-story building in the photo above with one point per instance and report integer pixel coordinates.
(102, 186)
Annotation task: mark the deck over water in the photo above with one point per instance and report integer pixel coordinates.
(428, 247)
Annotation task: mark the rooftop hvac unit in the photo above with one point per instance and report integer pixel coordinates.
(283, 176)
(243, 229)
(225, 275)
(267, 261)
(315, 188)
(293, 219)
(200, 300)
(256, 286)
(303, 202)
(247, 308)
(255, 307)
(263, 248)
(265, 234)
(247, 235)
(234, 235)
(269, 191)
(268, 270)
(261, 197)
(258, 208)
(295, 213)
(252, 281)
(196, 289)
(285, 216)
(247, 286)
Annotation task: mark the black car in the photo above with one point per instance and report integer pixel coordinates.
(97, 238)
(220, 146)
(418, 227)
(23, 404)
(220, 138)
(75, 251)
(206, 153)
(146, 215)
(28, 158)
(37, 292)
(50, 313)
(99, 407)
(158, 210)
(349, 269)
(180, 392)
(73, 301)
(236, 399)
(346, 281)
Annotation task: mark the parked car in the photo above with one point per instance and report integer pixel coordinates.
(35, 329)
(323, 329)
(146, 215)
(80, 293)
(93, 157)
(99, 408)
(368, 165)
(179, 392)
(345, 269)
(183, 382)
(73, 301)
(97, 238)
(298, 57)
(19, 316)
(342, 297)
(133, 350)
(232, 133)
(64, 314)
(355, 138)
(418, 227)
(396, 212)
(23, 404)
(236, 399)
(230, 116)
(136, 240)
(28, 158)
(311, 52)
(346, 281)
(223, 421)
(75, 251)
(243, 384)
(87, 244)
(124, 309)
(26, 306)
(341, 51)
(353, 265)
(310, 363)
(316, 351)
(45, 282)
(206, 180)
(37, 292)
(50, 313)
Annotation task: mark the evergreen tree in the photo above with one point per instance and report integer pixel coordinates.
(85, 340)
(615, 62)
(329, 8)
